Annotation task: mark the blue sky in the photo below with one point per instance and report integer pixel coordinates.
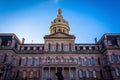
(87, 18)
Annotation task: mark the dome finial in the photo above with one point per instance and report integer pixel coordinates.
(59, 11)
(59, 15)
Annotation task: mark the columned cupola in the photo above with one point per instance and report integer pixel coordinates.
(59, 24)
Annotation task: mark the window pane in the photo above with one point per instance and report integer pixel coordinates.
(92, 61)
(26, 61)
(70, 47)
(24, 74)
(48, 60)
(47, 73)
(80, 74)
(32, 61)
(94, 74)
(117, 71)
(49, 47)
(86, 61)
(114, 58)
(62, 59)
(62, 47)
(57, 46)
(56, 60)
(79, 60)
(31, 74)
(87, 74)
(72, 73)
(71, 59)
(38, 74)
(39, 61)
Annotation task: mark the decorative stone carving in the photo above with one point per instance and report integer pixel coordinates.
(95, 40)
(109, 43)
(118, 41)
(9, 43)
(23, 40)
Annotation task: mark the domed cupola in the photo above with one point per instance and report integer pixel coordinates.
(59, 24)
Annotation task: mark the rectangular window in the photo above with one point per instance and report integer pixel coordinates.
(47, 73)
(93, 47)
(37, 48)
(25, 48)
(31, 48)
(81, 48)
(87, 47)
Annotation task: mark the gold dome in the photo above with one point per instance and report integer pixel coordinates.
(59, 24)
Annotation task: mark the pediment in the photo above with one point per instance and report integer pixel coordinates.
(59, 35)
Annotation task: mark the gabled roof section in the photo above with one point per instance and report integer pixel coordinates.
(59, 35)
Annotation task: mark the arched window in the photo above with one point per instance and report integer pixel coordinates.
(114, 59)
(94, 74)
(49, 47)
(92, 61)
(117, 71)
(26, 61)
(24, 74)
(62, 59)
(79, 60)
(32, 61)
(48, 60)
(62, 47)
(57, 46)
(31, 74)
(56, 59)
(80, 73)
(87, 74)
(71, 59)
(38, 74)
(72, 73)
(70, 47)
(86, 61)
(46, 73)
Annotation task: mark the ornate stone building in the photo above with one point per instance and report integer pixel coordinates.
(93, 61)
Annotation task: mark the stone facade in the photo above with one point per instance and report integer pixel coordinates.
(93, 61)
